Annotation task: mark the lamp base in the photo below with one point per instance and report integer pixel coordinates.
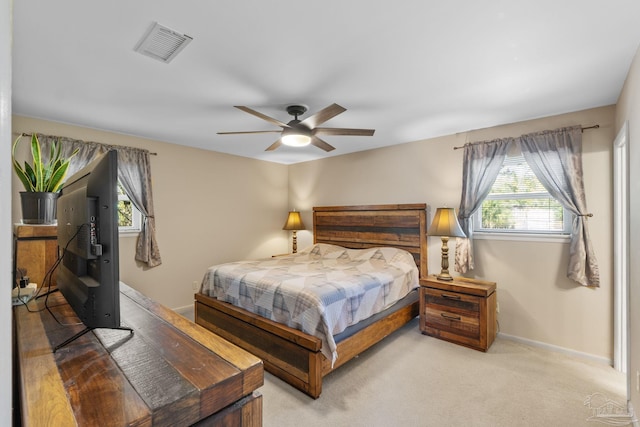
(444, 271)
(295, 242)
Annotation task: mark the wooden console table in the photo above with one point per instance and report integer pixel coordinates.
(169, 372)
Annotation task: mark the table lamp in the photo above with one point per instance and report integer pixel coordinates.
(445, 224)
(294, 223)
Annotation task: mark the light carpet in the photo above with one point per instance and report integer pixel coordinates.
(410, 379)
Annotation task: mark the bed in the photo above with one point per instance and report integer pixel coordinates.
(302, 359)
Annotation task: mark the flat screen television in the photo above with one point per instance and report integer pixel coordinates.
(88, 274)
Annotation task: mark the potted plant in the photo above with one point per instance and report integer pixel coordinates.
(42, 181)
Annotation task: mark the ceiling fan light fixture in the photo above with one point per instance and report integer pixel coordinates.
(296, 140)
(299, 133)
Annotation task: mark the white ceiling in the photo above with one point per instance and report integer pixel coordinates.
(411, 69)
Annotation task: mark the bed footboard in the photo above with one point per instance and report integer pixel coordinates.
(287, 353)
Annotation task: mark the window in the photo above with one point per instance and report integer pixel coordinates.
(519, 204)
(129, 217)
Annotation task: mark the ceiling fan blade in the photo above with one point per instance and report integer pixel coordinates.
(262, 116)
(343, 131)
(249, 131)
(275, 145)
(321, 144)
(323, 115)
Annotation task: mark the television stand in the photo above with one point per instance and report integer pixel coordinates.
(170, 372)
(84, 331)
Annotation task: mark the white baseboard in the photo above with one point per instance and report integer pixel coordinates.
(630, 409)
(186, 311)
(558, 349)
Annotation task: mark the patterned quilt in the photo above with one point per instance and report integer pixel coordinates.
(321, 290)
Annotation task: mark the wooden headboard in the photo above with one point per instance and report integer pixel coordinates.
(357, 227)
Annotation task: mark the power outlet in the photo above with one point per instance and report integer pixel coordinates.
(195, 285)
(497, 307)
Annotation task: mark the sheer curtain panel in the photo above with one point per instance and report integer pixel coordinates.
(556, 159)
(481, 165)
(134, 173)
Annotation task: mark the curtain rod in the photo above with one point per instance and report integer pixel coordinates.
(583, 129)
(29, 134)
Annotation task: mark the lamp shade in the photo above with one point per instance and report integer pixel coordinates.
(294, 222)
(445, 223)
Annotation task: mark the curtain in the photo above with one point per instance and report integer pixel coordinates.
(86, 150)
(481, 165)
(134, 174)
(555, 157)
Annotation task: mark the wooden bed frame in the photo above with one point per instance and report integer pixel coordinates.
(294, 356)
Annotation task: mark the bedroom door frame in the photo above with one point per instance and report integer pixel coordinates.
(621, 251)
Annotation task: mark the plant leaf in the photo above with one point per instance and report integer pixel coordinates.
(37, 162)
(60, 172)
(50, 166)
(28, 170)
(22, 175)
(57, 177)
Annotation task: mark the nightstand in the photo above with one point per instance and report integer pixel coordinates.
(462, 311)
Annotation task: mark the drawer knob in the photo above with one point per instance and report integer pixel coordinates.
(455, 297)
(450, 317)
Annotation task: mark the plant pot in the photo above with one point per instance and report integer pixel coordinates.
(38, 207)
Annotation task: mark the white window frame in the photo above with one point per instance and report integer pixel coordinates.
(136, 218)
(561, 236)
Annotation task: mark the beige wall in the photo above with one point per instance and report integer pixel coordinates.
(537, 301)
(210, 208)
(628, 109)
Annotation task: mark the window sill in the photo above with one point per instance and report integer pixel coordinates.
(523, 237)
(128, 233)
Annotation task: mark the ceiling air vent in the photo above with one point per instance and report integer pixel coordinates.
(162, 43)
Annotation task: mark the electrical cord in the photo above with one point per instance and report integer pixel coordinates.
(48, 279)
(49, 275)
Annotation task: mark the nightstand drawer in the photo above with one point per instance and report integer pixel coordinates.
(467, 305)
(449, 322)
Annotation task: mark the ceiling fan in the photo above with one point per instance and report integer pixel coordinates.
(298, 133)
